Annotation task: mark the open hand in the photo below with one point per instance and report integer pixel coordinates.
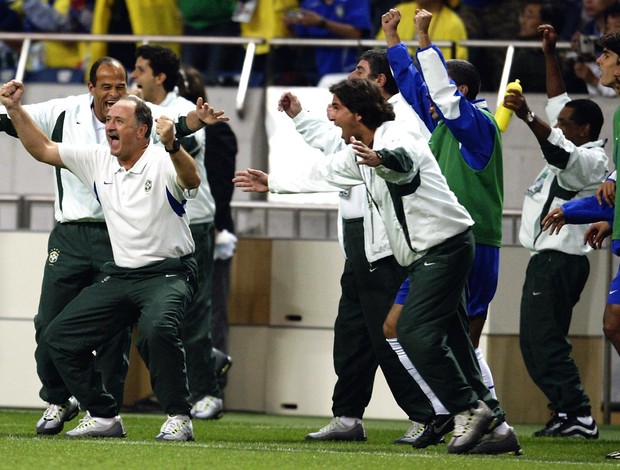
(251, 181)
(207, 114)
(365, 155)
(554, 221)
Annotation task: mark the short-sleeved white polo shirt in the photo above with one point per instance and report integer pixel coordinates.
(144, 207)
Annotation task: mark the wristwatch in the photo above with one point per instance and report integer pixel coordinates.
(529, 117)
(176, 146)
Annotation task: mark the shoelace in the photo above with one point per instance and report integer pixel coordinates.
(461, 423)
(333, 424)
(53, 412)
(173, 425)
(414, 430)
(86, 421)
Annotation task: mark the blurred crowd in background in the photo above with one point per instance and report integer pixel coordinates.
(580, 22)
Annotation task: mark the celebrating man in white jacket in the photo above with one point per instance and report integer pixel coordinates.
(429, 233)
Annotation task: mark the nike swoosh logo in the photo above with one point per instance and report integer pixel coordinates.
(372, 269)
(613, 291)
(108, 182)
(536, 293)
(170, 275)
(445, 427)
(426, 263)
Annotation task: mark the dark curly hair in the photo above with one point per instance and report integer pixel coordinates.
(610, 42)
(162, 60)
(364, 97)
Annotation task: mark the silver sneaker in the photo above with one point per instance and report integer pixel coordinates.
(495, 443)
(91, 426)
(469, 427)
(176, 428)
(208, 407)
(55, 416)
(413, 433)
(336, 430)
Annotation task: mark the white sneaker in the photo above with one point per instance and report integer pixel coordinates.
(469, 427)
(208, 407)
(176, 428)
(92, 426)
(413, 433)
(55, 416)
(336, 430)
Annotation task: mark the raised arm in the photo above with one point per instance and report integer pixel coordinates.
(473, 128)
(555, 82)
(422, 23)
(317, 133)
(203, 115)
(33, 139)
(515, 100)
(409, 80)
(389, 23)
(188, 176)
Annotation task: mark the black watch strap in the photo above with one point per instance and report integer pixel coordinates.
(176, 146)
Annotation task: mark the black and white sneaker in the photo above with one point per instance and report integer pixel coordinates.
(572, 427)
(434, 432)
(551, 427)
(614, 455)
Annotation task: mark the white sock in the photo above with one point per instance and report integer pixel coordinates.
(405, 361)
(587, 420)
(487, 377)
(502, 429)
(348, 421)
(104, 421)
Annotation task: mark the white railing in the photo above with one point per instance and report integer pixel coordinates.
(250, 44)
(244, 78)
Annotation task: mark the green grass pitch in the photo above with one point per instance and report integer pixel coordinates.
(258, 441)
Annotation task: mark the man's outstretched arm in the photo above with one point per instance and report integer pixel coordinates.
(33, 139)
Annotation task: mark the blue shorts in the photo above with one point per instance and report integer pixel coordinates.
(401, 295)
(614, 290)
(481, 282)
